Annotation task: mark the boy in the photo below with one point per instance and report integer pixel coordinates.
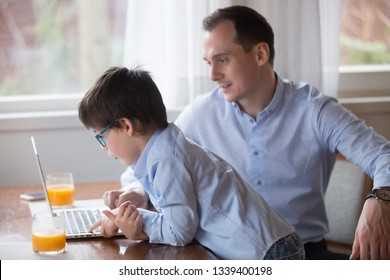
(197, 195)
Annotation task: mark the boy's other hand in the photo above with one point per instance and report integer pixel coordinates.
(129, 220)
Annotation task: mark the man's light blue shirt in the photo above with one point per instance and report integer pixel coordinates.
(288, 152)
(199, 196)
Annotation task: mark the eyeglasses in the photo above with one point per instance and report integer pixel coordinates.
(99, 136)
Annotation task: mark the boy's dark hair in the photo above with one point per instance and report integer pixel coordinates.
(251, 27)
(123, 93)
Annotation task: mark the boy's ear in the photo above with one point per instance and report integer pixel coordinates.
(127, 125)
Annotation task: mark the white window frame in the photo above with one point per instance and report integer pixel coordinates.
(364, 84)
(364, 81)
(46, 112)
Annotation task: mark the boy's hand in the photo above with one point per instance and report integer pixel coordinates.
(129, 220)
(108, 228)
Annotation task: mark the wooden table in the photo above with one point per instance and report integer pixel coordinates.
(15, 233)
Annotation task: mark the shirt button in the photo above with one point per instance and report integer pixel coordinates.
(256, 153)
(258, 183)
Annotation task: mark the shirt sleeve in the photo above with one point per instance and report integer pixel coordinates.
(128, 180)
(174, 198)
(342, 131)
(184, 121)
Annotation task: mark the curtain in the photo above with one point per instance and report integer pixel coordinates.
(306, 39)
(330, 18)
(166, 38)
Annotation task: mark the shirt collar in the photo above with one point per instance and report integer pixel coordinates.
(272, 105)
(139, 166)
(277, 97)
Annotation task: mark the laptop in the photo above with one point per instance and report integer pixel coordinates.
(77, 220)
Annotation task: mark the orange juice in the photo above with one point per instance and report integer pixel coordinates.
(50, 240)
(61, 195)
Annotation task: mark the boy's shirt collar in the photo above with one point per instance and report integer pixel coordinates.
(139, 166)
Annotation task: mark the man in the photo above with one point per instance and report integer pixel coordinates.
(283, 136)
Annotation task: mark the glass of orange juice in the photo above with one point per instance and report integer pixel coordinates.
(60, 188)
(48, 233)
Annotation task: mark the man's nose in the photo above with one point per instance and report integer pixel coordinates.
(215, 73)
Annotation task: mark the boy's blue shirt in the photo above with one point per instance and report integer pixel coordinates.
(200, 196)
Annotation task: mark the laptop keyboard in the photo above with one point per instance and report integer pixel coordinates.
(79, 221)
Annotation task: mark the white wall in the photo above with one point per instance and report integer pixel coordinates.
(65, 145)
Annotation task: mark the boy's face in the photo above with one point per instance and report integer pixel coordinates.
(120, 143)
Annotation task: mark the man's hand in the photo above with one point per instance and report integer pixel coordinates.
(137, 197)
(129, 220)
(372, 236)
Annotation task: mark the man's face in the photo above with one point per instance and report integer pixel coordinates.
(235, 71)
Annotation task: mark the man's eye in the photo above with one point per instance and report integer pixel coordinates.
(223, 60)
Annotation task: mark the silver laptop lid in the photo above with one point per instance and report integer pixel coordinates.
(41, 175)
(77, 220)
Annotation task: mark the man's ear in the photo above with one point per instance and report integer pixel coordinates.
(127, 126)
(262, 53)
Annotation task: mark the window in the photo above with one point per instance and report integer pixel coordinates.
(365, 32)
(364, 48)
(54, 48)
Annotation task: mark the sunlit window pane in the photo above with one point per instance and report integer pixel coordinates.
(365, 32)
(58, 47)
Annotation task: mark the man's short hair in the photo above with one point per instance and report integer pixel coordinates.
(251, 27)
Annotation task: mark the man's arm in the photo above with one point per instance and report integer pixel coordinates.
(344, 132)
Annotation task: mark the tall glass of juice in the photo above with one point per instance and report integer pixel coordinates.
(48, 233)
(60, 189)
